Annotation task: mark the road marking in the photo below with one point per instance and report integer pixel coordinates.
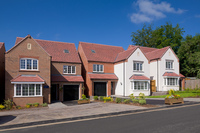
(101, 117)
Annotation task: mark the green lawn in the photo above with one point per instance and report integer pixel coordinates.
(182, 94)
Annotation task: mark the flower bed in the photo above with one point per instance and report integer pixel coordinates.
(173, 98)
(83, 100)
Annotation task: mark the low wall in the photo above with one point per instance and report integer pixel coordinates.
(22, 101)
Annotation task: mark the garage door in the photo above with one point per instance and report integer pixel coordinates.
(70, 92)
(100, 89)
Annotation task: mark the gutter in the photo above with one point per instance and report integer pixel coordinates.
(157, 77)
(124, 79)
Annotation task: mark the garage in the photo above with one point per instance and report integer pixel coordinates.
(70, 92)
(99, 88)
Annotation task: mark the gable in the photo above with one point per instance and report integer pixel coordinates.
(170, 55)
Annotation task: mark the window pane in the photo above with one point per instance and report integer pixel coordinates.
(64, 69)
(18, 89)
(73, 69)
(22, 64)
(135, 85)
(25, 90)
(97, 68)
(69, 69)
(134, 66)
(101, 68)
(37, 89)
(146, 85)
(142, 85)
(34, 64)
(94, 68)
(31, 89)
(140, 66)
(29, 64)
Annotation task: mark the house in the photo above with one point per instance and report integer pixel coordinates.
(42, 71)
(98, 68)
(2, 71)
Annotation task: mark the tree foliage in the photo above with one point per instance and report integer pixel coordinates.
(189, 56)
(162, 36)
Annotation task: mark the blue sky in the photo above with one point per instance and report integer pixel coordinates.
(98, 21)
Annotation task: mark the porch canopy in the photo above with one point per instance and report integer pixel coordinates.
(139, 77)
(66, 78)
(27, 79)
(104, 76)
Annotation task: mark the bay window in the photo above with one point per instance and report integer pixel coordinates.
(140, 85)
(171, 81)
(26, 90)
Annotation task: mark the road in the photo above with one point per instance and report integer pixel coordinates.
(177, 120)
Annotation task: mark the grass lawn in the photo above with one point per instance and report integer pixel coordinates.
(182, 94)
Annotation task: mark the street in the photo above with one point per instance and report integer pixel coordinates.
(179, 120)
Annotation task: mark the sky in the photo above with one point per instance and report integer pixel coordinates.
(108, 22)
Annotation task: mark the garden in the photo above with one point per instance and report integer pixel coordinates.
(10, 105)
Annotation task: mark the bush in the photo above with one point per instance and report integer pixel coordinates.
(8, 104)
(27, 106)
(95, 97)
(132, 96)
(18, 107)
(142, 102)
(135, 100)
(118, 100)
(101, 98)
(1, 107)
(36, 104)
(106, 99)
(112, 99)
(30, 104)
(44, 105)
(83, 96)
(141, 96)
(127, 101)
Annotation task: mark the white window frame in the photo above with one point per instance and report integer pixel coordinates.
(138, 62)
(171, 64)
(95, 65)
(168, 83)
(31, 64)
(140, 82)
(67, 69)
(15, 95)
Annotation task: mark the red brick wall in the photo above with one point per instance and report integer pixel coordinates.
(22, 101)
(12, 66)
(2, 73)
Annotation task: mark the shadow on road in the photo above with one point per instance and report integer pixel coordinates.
(7, 118)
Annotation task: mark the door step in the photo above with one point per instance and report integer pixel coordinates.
(159, 93)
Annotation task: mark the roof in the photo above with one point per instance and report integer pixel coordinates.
(103, 76)
(56, 50)
(102, 53)
(125, 54)
(139, 77)
(27, 78)
(182, 76)
(171, 74)
(66, 78)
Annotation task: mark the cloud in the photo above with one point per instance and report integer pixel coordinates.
(149, 11)
(197, 16)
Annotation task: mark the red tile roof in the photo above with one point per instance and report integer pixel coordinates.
(103, 76)
(139, 77)
(103, 53)
(172, 74)
(56, 50)
(63, 78)
(27, 78)
(125, 54)
(182, 76)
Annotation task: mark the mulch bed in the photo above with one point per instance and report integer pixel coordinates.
(134, 104)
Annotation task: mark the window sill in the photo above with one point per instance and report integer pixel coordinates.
(138, 71)
(169, 69)
(171, 85)
(26, 96)
(139, 90)
(98, 72)
(69, 73)
(29, 71)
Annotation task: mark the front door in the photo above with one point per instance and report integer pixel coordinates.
(153, 85)
(99, 88)
(53, 92)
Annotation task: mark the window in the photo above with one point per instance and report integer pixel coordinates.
(169, 64)
(93, 51)
(28, 64)
(137, 66)
(140, 85)
(171, 81)
(97, 68)
(28, 90)
(66, 51)
(69, 69)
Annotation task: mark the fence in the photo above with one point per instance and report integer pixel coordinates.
(192, 84)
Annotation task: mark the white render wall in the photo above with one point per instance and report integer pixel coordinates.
(118, 70)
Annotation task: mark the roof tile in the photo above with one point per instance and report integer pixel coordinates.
(27, 78)
(103, 76)
(172, 74)
(139, 77)
(63, 78)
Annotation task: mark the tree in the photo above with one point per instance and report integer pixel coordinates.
(189, 56)
(165, 35)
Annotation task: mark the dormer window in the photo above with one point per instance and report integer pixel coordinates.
(28, 64)
(93, 51)
(66, 51)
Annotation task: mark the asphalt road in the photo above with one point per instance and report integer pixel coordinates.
(176, 120)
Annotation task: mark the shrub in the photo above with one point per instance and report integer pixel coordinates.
(83, 96)
(8, 104)
(132, 96)
(106, 99)
(142, 101)
(135, 100)
(1, 107)
(127, 101)
(30, 104)
(18, 107)
(27, 106)
(36, 104)
(101, 98)
(95, 97)
(112, 99)
(118, 100)
(141, 96)
(44, 105)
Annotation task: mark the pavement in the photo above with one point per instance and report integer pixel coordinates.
(71, 110)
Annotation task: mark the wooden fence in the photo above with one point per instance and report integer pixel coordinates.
(192, 84)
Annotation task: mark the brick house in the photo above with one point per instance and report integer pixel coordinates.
(42, 71)
(98, 68)
(2, 71)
